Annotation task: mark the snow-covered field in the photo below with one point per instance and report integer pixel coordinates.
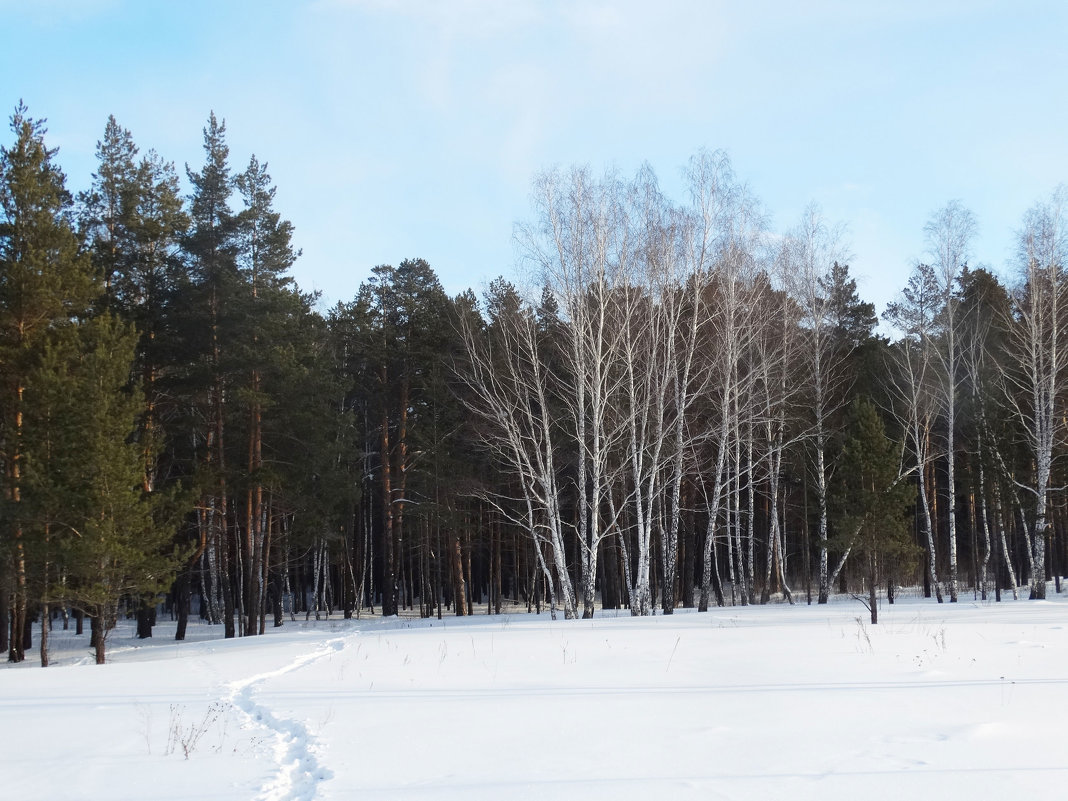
(960, 701)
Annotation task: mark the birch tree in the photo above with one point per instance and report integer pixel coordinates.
(659, 323)
(736, 236)
(1039, 346)
(949, 233)
(509, 391)
(580, 246)
(911, 383)
(645, 345)
(810, 252)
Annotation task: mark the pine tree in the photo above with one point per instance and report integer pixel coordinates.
(852, 319)
(404, 307)
(107, 210)
(870, 501)
(265, 254)
(211, 249)
(85, 477)
(45, 281)
(132, 219)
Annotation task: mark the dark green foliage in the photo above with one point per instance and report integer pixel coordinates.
(853, 320)
(45, 283)
(84, 479)
(870, 499)
(75, 502)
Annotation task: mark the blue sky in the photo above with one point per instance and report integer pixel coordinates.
(405, 129)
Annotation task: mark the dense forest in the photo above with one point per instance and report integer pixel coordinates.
(674, 407)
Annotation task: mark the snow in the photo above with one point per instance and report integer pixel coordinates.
(802, 702)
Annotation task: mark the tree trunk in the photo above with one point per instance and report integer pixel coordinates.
(5, 610)
(468, 574)
(999, 521)
(389, 568)
(27, 633)
(498, 588)
(985, 522)
(45, 622)
(687, 537)
(951, 461)
(96, 640)
(400, 474)
(146, 619)
(459, 586)
(224, 578)
(182, 595)
(17, 647)
(928, 527)
(713, 512)
(824, 585)
(873, 580)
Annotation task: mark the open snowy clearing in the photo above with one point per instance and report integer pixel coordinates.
(803, 702)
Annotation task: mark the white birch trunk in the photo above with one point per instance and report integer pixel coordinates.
(1000, 527)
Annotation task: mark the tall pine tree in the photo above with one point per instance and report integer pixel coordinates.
(45, 281)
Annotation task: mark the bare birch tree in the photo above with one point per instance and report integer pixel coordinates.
(949, 233)
(810, 251)
(696, 231)
(580, 246)
(646, 319)
(509, 391)
(1041, 307)
(737, 236)
(911, 385)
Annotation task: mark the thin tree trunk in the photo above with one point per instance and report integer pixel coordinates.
(873, 578)
(928, 525)
(951, 462)
(825, 581)
(225, 577)
(713, 513)
(459, 586)
(389, 579)
(5, 608)
(45, 623)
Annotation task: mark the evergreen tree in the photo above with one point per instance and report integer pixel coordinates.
(870, 501)
(85, 477)
(107, 214)
(264, 304)
(852, 319)
(132, 219)
(45, 281)
(206, 313)
(406, 305)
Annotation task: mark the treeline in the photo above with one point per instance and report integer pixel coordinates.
(698, 411)
(680, 409)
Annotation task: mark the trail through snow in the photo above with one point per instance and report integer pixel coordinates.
(295, 752)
